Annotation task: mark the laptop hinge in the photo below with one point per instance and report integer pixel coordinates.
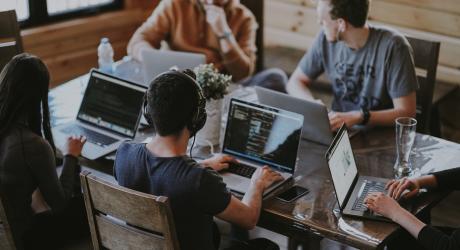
(350, 191)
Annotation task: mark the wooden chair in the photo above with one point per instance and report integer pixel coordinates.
(10, 37)
(121, 218)
(426, 55)
(257, 8)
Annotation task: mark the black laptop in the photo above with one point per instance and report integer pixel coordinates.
(351, 188)
(259, 135)
(109, 114)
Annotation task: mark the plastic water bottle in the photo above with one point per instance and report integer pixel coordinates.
(105, 54)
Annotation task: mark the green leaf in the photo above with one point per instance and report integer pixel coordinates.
(213, 83)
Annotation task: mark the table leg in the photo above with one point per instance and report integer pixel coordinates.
(435, 122)
(310, 242)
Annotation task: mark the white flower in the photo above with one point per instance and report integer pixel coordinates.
(213, 83)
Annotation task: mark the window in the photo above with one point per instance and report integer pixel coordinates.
(21, 7)
(61, 6)
(35, 12)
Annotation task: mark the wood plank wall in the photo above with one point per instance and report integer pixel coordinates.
(69, 48)
(293, 23)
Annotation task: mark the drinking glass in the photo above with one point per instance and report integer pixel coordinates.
(405, 136)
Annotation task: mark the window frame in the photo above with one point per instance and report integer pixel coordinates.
(38, 13)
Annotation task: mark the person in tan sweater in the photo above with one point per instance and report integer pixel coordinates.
(223, 30)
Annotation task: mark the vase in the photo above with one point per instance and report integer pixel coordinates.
(210, 133)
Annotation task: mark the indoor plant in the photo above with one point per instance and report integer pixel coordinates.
(214, 86)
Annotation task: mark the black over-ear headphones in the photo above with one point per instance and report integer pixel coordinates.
(199, 115)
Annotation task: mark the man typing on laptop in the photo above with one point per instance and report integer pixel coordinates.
(371, 68)
(175, 107)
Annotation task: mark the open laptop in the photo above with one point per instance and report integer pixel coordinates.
(316, 126)
(109, 114)
(351, 188)
(259, 135)
(156, 62)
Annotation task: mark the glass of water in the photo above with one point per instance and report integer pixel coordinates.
(405, 136)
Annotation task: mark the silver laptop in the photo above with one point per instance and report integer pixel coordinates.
(351, 188)
(156, 62)
(259, 135)
(109, 114)
(316, 126)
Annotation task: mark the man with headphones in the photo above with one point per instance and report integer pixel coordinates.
(175, 107)
(371, 68)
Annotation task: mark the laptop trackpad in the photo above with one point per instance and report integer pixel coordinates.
(236, 182)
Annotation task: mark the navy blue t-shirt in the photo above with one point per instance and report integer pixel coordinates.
(196, 193)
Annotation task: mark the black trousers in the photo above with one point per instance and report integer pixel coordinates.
(55, 230)
(253, 244)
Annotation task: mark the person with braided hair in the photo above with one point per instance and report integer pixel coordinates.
(28, 176)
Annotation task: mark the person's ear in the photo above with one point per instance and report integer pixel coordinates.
(186, 132)
(342, 25)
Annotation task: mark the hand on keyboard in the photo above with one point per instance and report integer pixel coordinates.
(366, 188)
(383, 204)
(92, 136)
(219, 162)
(403, 188)
(74, 145)
(265, 177)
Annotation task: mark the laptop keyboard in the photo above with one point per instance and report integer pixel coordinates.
(366, 188)
(241, 169)
(91, 136)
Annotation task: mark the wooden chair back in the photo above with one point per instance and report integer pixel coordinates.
(121, 218)
(10, 37)
(426, 55)
(257, 8)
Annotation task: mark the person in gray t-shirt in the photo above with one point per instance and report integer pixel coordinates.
(371, 68)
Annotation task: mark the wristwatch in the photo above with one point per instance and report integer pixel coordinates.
(225, 35)
(366, 115)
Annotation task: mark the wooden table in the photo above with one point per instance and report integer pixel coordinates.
(375, 155)
(311, 217)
